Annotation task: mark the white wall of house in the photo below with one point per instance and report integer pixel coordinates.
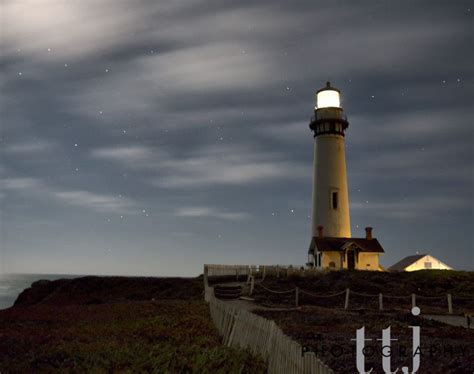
(334, 260)
(368, 261)
(428, 262)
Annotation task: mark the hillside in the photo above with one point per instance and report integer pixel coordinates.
(100, 290)
(115, 324)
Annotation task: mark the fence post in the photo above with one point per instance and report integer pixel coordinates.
(346, 303)
(380, 302)
(413, 300)
(263, 276)
(206, 281)
(252, 285)
(450, 304)
(297, 296)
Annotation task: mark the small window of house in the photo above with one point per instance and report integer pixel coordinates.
(428, 265)
(332, 264)
(334, 199)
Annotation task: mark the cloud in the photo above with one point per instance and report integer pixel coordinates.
(227, 165)
(19, 183)
(206, 166)
(133, 156)
(192, 212)
(29, 147)
(292, 132)
(207, 170)
(85, 199)
(421, 208)
(179, 76)
(97, 202)
(43, 30)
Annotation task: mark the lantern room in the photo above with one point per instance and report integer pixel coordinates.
(328, 97)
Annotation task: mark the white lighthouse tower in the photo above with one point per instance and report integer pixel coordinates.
(330, 194)
(332, 246)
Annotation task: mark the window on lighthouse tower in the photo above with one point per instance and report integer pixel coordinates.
(334, 199)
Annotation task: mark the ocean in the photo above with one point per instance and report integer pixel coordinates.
(11, 285)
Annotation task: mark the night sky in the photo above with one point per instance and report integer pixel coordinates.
(150, 138)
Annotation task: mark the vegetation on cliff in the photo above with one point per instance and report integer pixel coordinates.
(115, 324)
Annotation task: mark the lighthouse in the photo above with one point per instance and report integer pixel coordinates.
(332, 246)
(330, 194)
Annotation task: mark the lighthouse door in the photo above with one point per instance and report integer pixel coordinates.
(350, 259)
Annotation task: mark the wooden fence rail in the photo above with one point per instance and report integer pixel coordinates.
(240, 328)
(254, 272)
(259, 271)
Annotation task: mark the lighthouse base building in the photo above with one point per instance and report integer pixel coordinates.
(345, 253)
(332, 246)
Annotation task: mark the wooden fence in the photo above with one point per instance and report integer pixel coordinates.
(240, 328)
(350, 296)
(243, 329)
(258, 271)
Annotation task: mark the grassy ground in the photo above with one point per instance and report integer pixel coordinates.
(323, 326)
(425, 284)
(328, 333)
(52, 331)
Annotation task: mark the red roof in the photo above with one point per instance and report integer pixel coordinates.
(340, 244)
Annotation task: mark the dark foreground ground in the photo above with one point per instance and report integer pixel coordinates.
(323, 326)
(129, 325)
(115, 324)
(328, 333)
(431, 288)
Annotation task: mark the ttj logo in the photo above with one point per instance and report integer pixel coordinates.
(386, 349)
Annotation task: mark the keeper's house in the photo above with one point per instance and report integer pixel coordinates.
(419, 262)
(345, 253)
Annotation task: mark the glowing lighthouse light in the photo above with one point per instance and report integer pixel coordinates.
(328, 97)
